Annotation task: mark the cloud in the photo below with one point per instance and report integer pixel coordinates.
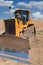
(12, 11)
(6, 3)
(6, 12)
(38, 5)
(24, 4)
(37, 16)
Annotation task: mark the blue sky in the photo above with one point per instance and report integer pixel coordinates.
(35, 6)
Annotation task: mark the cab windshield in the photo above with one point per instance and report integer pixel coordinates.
(21, 14)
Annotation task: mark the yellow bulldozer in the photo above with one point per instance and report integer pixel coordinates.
(16, 32)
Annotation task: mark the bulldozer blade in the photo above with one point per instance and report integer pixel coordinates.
(14, 43)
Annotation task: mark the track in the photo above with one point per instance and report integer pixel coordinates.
(29, 32)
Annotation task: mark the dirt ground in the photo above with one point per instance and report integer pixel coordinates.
(36, 52)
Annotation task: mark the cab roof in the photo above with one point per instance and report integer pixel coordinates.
(22, 10)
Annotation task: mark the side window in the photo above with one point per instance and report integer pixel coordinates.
(24, 17)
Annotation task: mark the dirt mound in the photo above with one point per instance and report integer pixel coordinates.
(38, 24)
(2, 26)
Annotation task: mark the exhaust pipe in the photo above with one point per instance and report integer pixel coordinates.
(10, 12)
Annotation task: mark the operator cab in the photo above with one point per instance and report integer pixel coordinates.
(22, 15)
